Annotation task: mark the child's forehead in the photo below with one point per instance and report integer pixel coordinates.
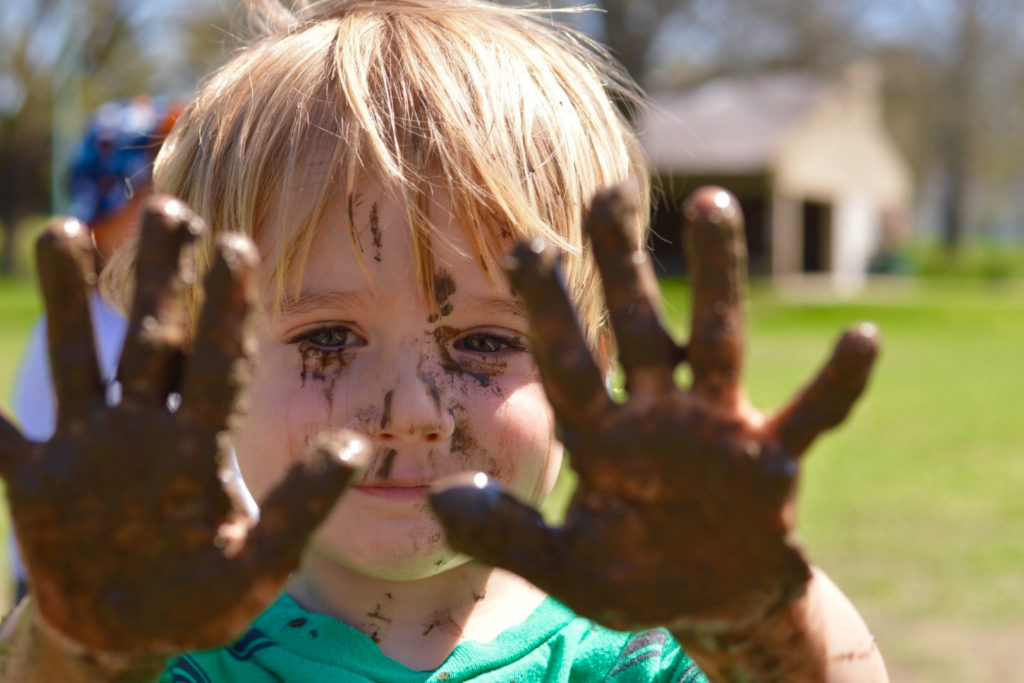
(365, 236)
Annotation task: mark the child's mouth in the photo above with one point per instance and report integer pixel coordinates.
(396, 492)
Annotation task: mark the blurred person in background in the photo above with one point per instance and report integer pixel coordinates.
(109, 178)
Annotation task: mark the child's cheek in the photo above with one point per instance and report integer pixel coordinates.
(506, 430)
(319, 373)
(294, 395)
(475, 446)
(530, 429)
(277, 425)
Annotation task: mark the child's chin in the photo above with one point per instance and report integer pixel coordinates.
(395, 550)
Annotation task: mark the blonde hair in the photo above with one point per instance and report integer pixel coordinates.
(511, 114)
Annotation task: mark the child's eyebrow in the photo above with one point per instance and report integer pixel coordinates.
(500, 305)
(315, 300)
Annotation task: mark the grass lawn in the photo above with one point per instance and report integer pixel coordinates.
(19, 309)
(915, 506)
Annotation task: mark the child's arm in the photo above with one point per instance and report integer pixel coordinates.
(134, 543)
(821, 636)
(685, 507)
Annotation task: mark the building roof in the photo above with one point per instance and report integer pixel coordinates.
(729, 125)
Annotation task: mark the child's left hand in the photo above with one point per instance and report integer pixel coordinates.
(684, 511)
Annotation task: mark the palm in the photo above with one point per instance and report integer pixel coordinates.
(134, 539)
(683, 511)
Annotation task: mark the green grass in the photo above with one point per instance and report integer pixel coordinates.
(19, 309)
(915, 505)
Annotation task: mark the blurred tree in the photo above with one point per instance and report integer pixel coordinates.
(954, 71)
(83, 53)
(953, 74)
(34, 38)
(629, 26)
(705, 39)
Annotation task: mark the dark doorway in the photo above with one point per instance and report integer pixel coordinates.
(817, 237)
(667, 221)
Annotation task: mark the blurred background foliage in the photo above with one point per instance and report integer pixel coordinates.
(953, 72)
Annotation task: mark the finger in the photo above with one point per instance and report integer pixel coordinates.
(156, 328)
(717, 260)
(572, 379)
(13, 446)
(646, 351)
(827, 400)
(218, 368)
(483, 520)
(302, 500)
(64, 261)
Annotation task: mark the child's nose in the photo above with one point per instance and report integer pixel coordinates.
(413, 410)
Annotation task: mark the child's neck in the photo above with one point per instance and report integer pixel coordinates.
(418, 623)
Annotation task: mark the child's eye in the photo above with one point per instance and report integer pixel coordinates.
(331, 338)
(481, 342)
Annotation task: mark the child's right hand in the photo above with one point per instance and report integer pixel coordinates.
(134, 538)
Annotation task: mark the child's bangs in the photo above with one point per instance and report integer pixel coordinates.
(417, 108)
(506, 114)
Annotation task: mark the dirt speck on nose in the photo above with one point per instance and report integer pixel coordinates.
(385, 418)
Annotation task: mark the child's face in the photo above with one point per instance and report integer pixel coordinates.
(436, 394)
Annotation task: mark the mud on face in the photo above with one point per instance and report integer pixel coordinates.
(322, 365)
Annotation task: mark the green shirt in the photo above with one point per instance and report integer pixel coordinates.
(288, 643)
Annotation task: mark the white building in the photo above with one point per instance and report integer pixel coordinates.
(820, 180)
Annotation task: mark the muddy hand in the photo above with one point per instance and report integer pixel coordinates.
(684, 510)
(133, 539)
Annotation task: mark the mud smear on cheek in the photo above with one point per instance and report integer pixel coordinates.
(443, 336)
(466, 450)
(463, 445)
(324, 367)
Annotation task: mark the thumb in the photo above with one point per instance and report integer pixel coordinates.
(302, 500)
(483, 520)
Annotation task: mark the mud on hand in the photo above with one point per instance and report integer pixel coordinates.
(683, 514)
(134, 539)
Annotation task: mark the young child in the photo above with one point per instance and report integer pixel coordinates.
(384, 157)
